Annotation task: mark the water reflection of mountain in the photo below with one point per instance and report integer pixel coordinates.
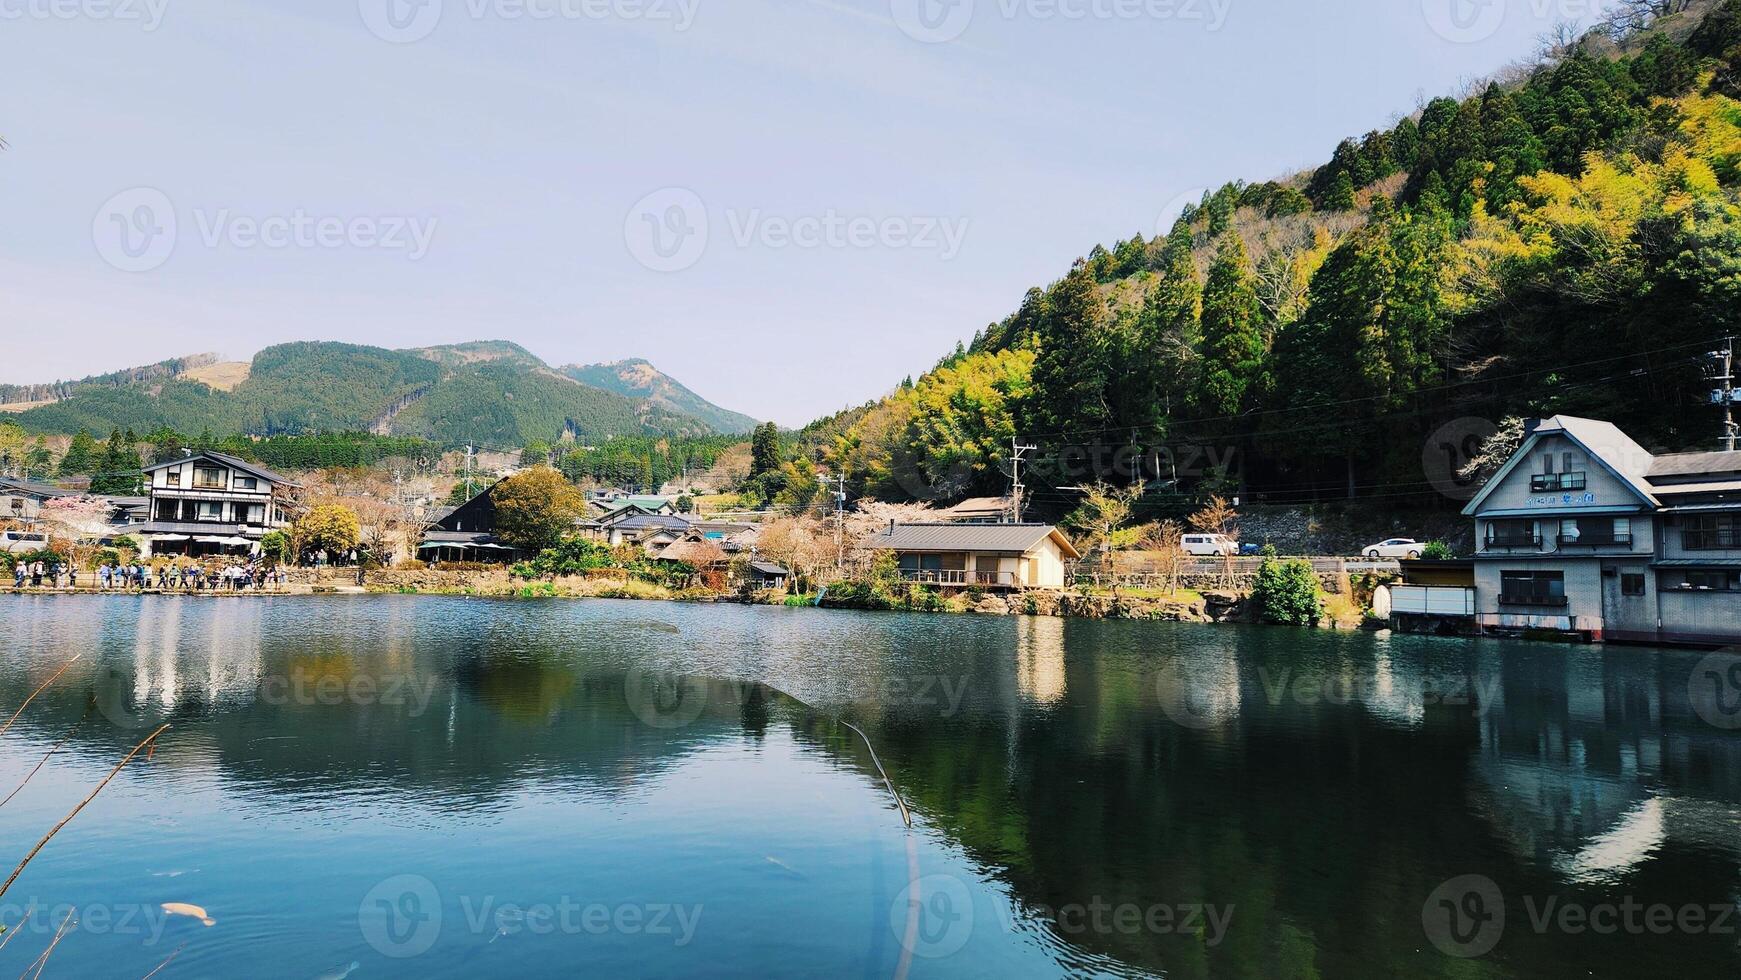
(1320, 784)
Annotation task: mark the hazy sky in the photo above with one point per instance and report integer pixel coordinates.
(786, 204)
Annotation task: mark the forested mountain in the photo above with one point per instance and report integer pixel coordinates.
(17, 394)
(1564, 239)
(637, 378)
(490, 393)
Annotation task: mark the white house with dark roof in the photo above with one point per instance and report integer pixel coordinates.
(22, 500)
(1004, 556)
(1584, 531)
(211, 503)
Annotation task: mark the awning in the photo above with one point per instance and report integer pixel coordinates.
(447, 544)
(170, 537)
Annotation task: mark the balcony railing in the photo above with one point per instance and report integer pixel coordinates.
(1524, 599)
(1609, 540)
(1719, 539)
(1527, 540)
(956, 576)
(1557, 482)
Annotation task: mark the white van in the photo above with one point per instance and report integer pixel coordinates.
(16, 542)
(1209, 545)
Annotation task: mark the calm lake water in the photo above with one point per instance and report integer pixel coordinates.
(403, 786)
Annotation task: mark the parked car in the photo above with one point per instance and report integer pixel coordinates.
(1394, 548)
(1209, 545)
(16, 542)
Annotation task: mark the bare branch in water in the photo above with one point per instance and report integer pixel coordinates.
(165, 963)
(42, 961)
(33, 694)
(45, 758)
(906, 817)
(75, 811)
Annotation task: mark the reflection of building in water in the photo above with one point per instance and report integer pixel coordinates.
(230, 636)
(1040, 659)
(1592, 765)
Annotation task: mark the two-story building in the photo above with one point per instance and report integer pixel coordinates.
(211, 503)
(22, 500)
(1584, 531)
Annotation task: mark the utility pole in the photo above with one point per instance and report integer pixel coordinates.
(1017, 451)
(839, 494)
(468, 472)
(1726, 395)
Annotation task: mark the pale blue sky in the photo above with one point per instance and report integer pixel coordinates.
(524, 151)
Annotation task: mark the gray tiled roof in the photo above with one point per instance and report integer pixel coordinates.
(1004, 538)
(1695, 464)
(641, 522)
(34, 489)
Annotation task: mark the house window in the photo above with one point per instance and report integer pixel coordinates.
(1512, 533)
(256, 514)
(208, 477)
(1707, 580)
(247, 483)
(1593, 531)
(211, 510)
(172, 478)
(17, 505)
(1713, 532)
(1550, 483)
(1532, 588)
(1632, 583)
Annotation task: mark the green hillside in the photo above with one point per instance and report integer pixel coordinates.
(490, 393)
(639, 379)
(1568, 239)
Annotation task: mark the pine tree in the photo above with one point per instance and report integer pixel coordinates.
(81, 456)
(1341, 194)
(1233, 336)
(1070, 370)
(765, 449)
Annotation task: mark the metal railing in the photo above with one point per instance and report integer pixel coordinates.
(1553, 482)
(1716, 539)
(956, 576)
(1517, 599)
(1595, 540)
(1531, 540)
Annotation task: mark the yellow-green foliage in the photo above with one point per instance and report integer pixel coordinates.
(944, 434)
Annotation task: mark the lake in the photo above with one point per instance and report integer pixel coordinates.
(417, 786)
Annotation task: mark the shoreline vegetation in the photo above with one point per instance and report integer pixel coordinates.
(1184, 605)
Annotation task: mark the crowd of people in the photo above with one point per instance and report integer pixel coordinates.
(182, 575)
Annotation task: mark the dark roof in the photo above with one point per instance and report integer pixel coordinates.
(227, 460)
(458, 537)
(769, 568)
(1005, 538)
(1696, 563)
(1694, 464)
(35, 489)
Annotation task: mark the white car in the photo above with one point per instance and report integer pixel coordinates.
(1208, 545)
(16, 542)
(1394, 548)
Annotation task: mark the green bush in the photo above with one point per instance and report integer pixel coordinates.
(580, 556)
(1288, 593)
(1437, 551)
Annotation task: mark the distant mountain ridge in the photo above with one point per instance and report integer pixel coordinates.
(490, 393)
(637, 378)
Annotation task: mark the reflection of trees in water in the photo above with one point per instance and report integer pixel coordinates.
(1323, 822)
(1326, 823)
